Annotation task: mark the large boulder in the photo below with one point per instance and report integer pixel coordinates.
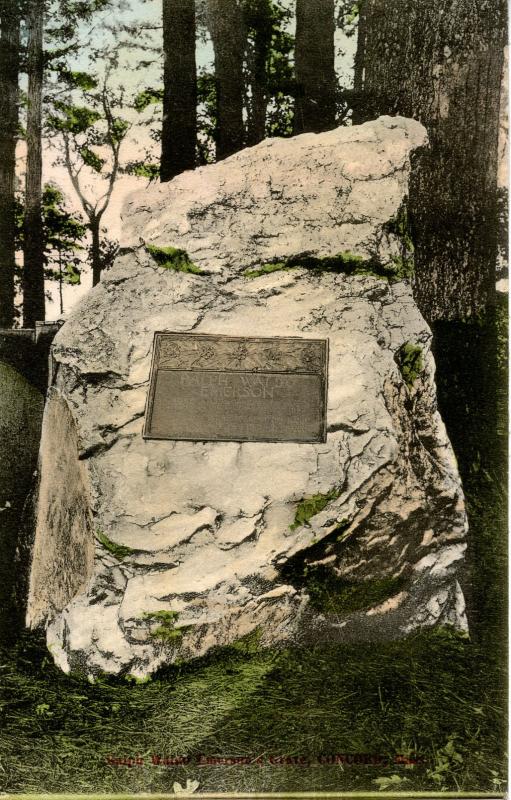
(148, 551)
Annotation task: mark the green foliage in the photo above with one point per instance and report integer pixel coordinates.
(118, 129)
(92, 160)
(146, 98)
(310, 506)
(173, 258)
(77, 80)
(120, 551)
(63, 236)
(410, 362)
(143, 169)
(448, 761)
(389, 782)
(72, 118)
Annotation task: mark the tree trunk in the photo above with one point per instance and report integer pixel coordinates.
(33, 270)
(97, 264)
(442, 63)
(9, 67)
(316, 83)
(225, 22)
(261, 22)
(179, 134)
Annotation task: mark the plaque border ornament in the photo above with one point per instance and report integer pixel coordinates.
(226, 353)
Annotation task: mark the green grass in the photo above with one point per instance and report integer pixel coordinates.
(436, 698)
(398, 699)
(173, 258)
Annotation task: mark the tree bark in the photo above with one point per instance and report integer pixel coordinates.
(225, 21)
(442, 63)
(9, 69)
(316, 83)
(95, 223)
(33, 269)
(179, 133)
(261, 21)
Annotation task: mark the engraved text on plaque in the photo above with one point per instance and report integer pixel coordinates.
(228, 388)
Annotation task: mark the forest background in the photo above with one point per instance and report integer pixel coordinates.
(100, 97)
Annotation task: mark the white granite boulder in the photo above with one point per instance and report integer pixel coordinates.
(148, 551)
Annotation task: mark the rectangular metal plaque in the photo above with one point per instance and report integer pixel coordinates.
(244, 389)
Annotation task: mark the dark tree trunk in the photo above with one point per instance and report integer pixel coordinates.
(97, 263)
(9, 68)
(33, 269)
(316, 83)
(442, 63)
(261, 22)
(225, 21)
(179, 134)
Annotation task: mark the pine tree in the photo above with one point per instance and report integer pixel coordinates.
(441, 63)
(316, 82)
(225, 21)
(9, 68)
(33, 269)
(179, 133)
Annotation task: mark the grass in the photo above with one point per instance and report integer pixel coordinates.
(431, 709)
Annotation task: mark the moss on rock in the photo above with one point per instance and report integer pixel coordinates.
(173, 258)
(410, 362)
(310, 506)
(120, 551)
(167, 630)
(346, 263)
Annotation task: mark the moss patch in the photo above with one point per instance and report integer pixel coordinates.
(410, 362)
(120, 551)
(167, 630)
(347, 263)
(399, 226)
(333, 595)
(173, 258)
(310, 506)
(273, 266)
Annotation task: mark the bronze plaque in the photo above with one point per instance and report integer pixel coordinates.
(244, 389)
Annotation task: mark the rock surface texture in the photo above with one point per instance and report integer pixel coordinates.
(160, 550)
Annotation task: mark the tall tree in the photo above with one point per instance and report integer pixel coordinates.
(225, 22)
(442, 63)
(316, 83)
(33, 262)
(259, 21)
(179, 133)
(9, 68)
(92, 138)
